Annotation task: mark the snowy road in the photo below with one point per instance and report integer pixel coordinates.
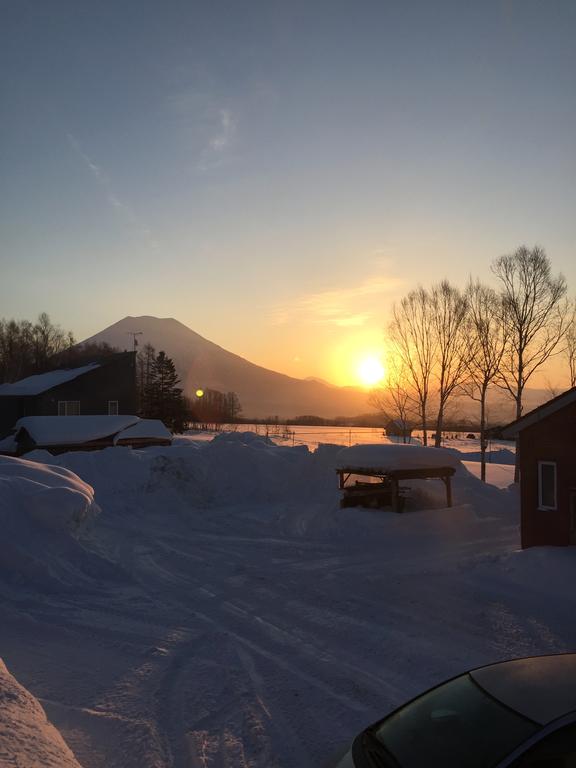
(266, 635)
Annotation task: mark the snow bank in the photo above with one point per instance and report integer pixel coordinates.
(51, 496)
(394, 457)
(247, 469)
(230, 469)
(44, 513)
(27, 739)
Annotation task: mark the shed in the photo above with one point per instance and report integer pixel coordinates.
(58, 434)
(387, 465)
(398, 428)
(546, 446)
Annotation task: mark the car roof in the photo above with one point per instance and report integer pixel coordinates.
(542, 688)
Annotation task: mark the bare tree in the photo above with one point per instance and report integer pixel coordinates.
(449, 312)
(535, 314)
(570, 345)
(393, 398)
(487, 343)
(413, 341)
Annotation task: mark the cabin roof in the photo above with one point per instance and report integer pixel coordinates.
(540, 413)
(42, 382)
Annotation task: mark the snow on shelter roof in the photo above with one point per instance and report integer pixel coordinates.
(35, 385)
(71, 430)
(390, 458)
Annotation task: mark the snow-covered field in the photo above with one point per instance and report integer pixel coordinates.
(211, 604)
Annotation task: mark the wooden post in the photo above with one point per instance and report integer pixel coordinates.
(448, 485)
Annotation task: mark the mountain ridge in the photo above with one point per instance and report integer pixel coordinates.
(203, 364)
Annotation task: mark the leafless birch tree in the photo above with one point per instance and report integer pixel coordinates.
(449, 312)
(487, 343)
(535, 314)
(570, 345)
(413, 341)
(394, 399)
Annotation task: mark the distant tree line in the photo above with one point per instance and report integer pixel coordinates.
(446, 342)
(26, 348)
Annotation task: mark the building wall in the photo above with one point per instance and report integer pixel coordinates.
(552, 439)
(114, 380)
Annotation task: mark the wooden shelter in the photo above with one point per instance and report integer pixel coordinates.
(385, 467)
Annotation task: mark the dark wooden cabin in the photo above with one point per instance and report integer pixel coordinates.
(546, 442)
(398, 428)
(105, 387)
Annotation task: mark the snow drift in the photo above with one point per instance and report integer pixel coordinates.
(44, 509)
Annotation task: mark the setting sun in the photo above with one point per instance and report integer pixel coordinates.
(370, 371)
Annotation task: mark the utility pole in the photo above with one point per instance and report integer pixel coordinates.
(134, 339)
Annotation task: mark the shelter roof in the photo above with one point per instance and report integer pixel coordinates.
(392, 458)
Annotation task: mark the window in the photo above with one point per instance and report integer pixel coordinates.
(112, 407)
(68, 407)
(547, 485)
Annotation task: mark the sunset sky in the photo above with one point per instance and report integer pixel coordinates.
(276, 174)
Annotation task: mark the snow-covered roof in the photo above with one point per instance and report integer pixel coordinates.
(390, 458)
(34, 385)
(71, 430)
(144, 429)
(542, 412)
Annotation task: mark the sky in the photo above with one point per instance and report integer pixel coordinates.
(276, 174)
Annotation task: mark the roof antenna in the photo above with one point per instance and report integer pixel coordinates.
(134, 339)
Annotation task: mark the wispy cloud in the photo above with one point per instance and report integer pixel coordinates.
(121, 207)
(352, 306)
(220, 139)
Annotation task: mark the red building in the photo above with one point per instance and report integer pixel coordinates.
(547, 454)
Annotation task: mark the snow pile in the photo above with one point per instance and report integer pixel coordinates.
(390, 457)
(499, 456)
(232, 468)
(44, 510)
(27, 739)
(51, 496)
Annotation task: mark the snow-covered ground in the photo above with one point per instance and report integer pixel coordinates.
(222, 610)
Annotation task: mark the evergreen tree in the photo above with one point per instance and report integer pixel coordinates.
(163, 395)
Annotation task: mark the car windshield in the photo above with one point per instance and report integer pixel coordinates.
(453, 725)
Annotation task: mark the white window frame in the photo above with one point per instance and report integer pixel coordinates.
(68, 407)
(115, 411)
(541, 505)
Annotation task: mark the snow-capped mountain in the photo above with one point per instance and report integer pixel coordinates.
(203, 364)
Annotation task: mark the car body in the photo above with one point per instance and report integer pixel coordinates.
(512, 714)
